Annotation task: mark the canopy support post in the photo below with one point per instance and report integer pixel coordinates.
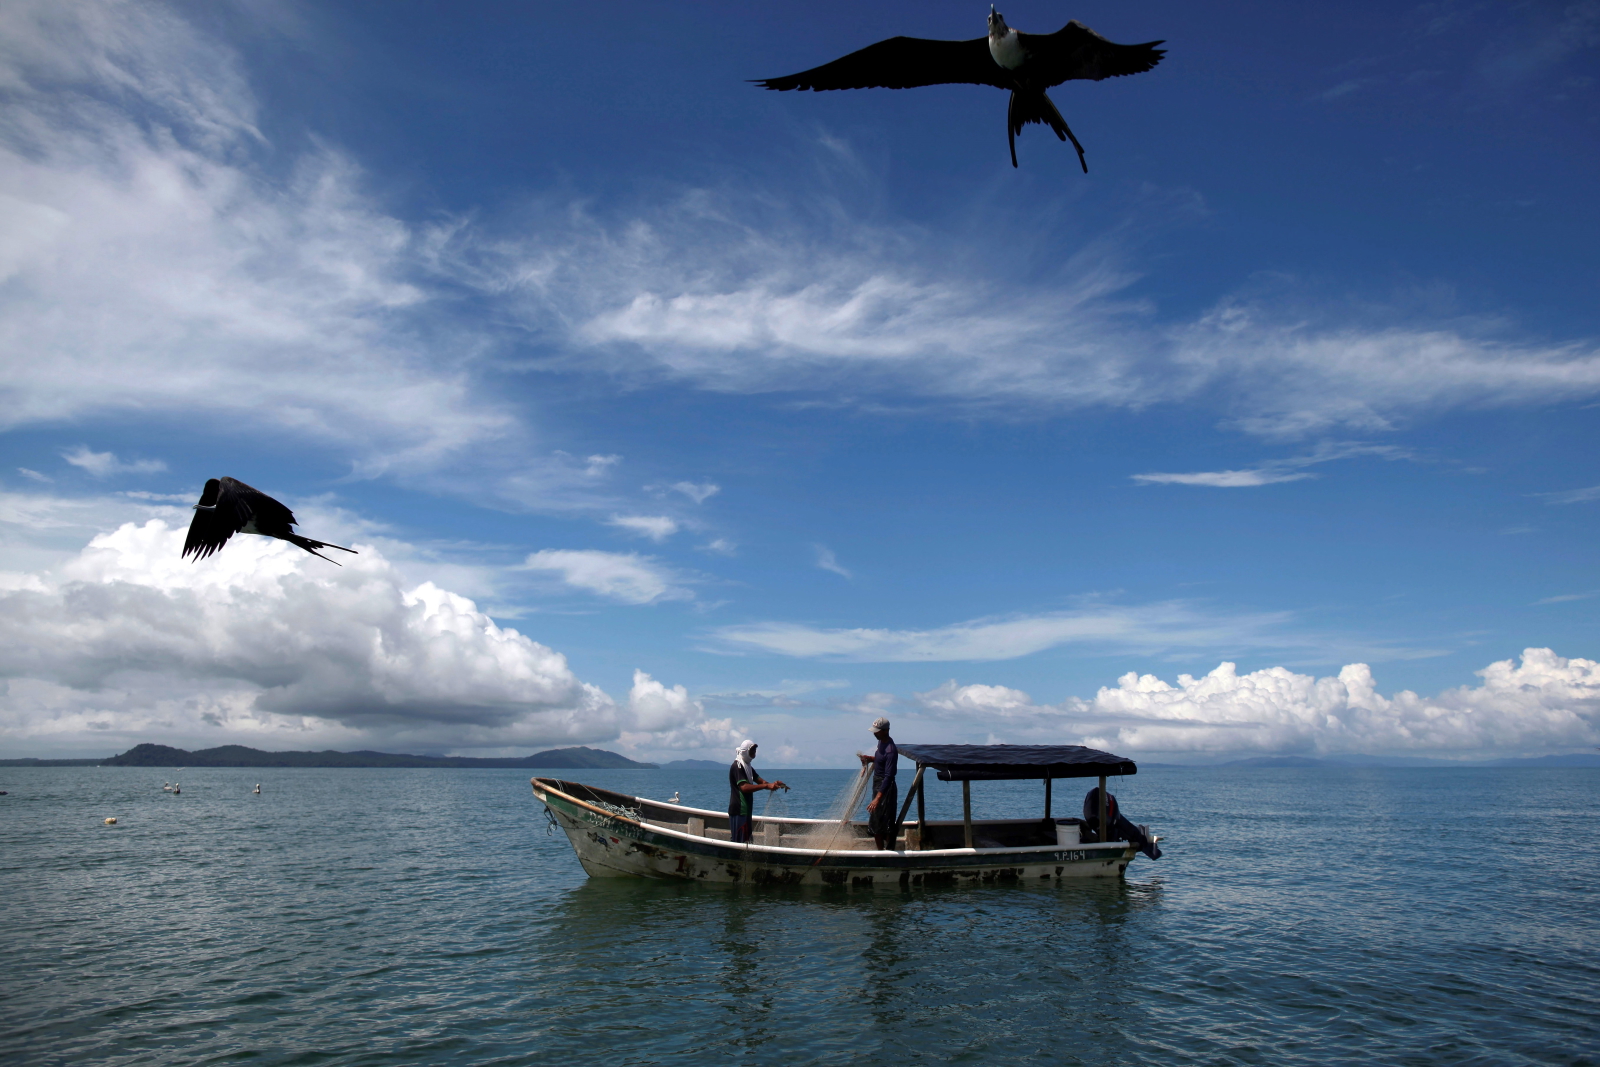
(966, 810)
(914, 791)
(922, 817)
(1047, 798)
(1105, 811)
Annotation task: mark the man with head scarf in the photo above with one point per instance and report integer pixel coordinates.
(885, 793)
(744, 783)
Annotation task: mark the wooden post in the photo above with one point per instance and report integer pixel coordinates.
(922, 818)
(1047, 798)
(1105, 811)
(915, 791)
(966, 810)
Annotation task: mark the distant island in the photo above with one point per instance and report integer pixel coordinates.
(148, 755)
(1577, 759)
(694, 765)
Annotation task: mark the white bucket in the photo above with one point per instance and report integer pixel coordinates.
(1067, 833)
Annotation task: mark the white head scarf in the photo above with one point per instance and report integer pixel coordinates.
(742, 757)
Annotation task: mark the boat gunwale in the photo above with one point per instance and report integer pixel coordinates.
(820, 853)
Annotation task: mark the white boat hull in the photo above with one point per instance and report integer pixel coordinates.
(612, 845)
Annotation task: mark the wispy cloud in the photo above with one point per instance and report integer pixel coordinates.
(656, 527)
(625, 577)
(1144, 629)
(105, 464)
(34, 476)
(827, 561)
(699, 492)
(1566, 597)
(1280, 470)
(1571, 496)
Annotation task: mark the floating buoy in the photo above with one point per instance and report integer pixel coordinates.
(111, 821)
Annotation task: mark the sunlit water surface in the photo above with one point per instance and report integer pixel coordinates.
(411, 917)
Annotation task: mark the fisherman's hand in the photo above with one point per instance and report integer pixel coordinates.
(864, 757)
(872, 805)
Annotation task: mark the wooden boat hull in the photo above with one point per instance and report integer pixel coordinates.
(613, 844)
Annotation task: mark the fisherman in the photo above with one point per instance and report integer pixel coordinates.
(1121, 828)
(743, 784)
(885, 794)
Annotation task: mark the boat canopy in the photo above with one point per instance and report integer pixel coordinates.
(988, 763)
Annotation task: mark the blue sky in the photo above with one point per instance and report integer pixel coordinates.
(760, 413)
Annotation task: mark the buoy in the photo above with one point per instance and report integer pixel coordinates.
(111, 822)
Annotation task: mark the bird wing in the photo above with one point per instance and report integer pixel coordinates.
(1076, 51)
(208, 531)
(248, 502)
(902, 63)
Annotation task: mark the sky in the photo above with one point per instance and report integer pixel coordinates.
(665, 411)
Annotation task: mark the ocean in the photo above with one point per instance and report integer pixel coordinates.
(377, 917)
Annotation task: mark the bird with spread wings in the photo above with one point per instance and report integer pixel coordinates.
(1025, 63)
(227, 506)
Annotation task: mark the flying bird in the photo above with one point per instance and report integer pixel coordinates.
(228, 506)
(1025, 63)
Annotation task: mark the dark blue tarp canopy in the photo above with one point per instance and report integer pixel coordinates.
(980, 763)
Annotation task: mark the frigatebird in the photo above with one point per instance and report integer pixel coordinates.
(228, 506)
(1025, 63)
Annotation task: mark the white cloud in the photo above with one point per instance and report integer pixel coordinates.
(668, 719)
(656, 527)
(1288, 469)
(598, 466)
(827, 561)
(159, 256)
(104, 464)
(721, 546)
(1150, 627)
(1545, 703)
(1567, 597)
(1224, 479)
(34, 476)
(698, 492)
(627, 577)
(1572, 496)
(263, 644)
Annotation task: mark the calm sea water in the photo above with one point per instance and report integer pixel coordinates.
(414, 917)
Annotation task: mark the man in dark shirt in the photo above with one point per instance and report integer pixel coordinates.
(743, 784)
(1121, 828)
(885, 793)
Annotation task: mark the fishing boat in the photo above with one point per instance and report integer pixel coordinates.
(618, 835)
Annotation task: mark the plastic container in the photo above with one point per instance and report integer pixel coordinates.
(1067, 832)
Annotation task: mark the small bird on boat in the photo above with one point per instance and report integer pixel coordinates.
(1025, 63)
(228, 506)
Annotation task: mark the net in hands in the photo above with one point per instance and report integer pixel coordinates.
(837, 831)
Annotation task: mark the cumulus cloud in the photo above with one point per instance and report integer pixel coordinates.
(159, 255)
(668, 718)
(1545, 702)
(105, 464)
(656, 527)
(627, 577)
(263, 644)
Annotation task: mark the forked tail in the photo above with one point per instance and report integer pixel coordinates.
(311, 546)
(1026, 107)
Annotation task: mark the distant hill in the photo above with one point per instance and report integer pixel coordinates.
(1577, 759)
(148, 755)
(694, 765)
(29, 761)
